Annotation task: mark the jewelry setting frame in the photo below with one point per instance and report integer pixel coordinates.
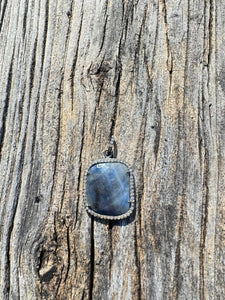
(131, 190)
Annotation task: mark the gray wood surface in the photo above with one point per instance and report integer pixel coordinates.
(153, 74)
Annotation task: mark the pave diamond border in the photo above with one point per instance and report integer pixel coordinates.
(132, 190)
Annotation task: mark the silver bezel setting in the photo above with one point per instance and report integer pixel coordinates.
(132, 190)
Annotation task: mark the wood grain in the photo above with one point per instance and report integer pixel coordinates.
(73, 73)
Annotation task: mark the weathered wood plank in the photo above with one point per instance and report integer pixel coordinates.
(72, 74)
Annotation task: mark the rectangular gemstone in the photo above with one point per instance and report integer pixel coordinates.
(108, 188)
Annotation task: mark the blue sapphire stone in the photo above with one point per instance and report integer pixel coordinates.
(108, 189)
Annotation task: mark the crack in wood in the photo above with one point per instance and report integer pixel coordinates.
(76, 56)
(3, 10)
(25, 18)
(80, 169)
(45, 33)
(92, 258)
(6, 107)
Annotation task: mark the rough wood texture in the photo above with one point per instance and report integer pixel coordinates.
(153, 74)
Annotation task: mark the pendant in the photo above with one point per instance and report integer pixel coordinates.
(109, 188)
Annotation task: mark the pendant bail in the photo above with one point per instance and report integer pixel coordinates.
(109, 153)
